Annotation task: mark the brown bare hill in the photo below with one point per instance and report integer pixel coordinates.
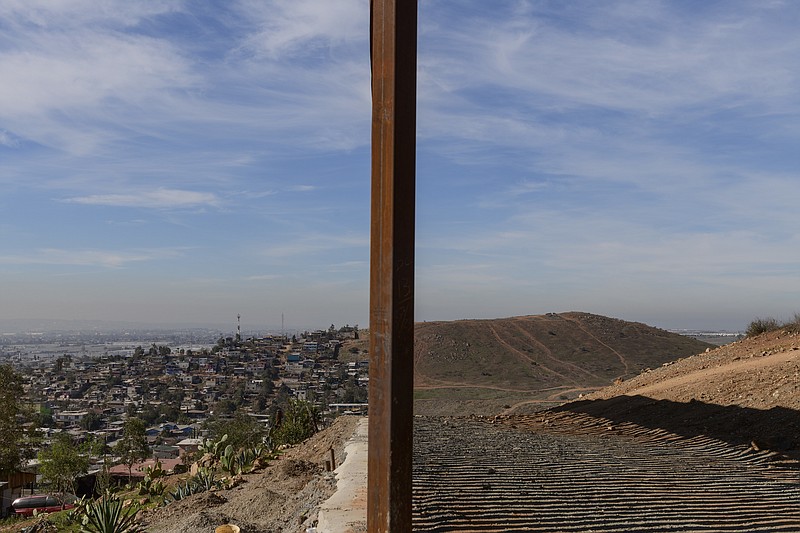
(488, 366)
(746, 394)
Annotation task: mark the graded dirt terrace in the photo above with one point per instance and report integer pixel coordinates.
(705, 443)
(745, 393)
(472, 475)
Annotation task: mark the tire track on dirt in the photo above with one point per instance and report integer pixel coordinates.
(522, 355)
(549, 353)
(549, 400)
(621, 357)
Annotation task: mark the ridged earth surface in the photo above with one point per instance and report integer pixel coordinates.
(472, 475)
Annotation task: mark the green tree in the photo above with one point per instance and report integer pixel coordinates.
(243, 430)
(62, 462)
(298, 423)
(132, 447)
(44, 418)
(91, 421)
(12, 435)
(353, 393)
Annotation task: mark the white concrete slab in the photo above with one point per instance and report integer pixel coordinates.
(346, 510)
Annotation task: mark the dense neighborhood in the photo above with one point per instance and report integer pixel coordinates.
(180, 394)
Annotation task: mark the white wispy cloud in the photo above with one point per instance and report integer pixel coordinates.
(157, 199)
(264, 277)
(303, 27)
(8, 140)
(302, 188)
(645, 57)
(79, 13)
(76, 83)
(555, 80)
(101, 258)
(348, 266)
(316, 244)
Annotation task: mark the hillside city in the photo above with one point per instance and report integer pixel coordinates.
(88, 385)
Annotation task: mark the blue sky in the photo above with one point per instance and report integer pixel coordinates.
(182, 162)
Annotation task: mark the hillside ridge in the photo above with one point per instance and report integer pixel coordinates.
(484, 366)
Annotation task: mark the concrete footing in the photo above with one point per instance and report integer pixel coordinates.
(346, 510)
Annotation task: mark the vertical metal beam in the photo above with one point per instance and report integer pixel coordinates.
(391, 410)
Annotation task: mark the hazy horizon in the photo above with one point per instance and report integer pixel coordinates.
(44, 325)
(173, 162)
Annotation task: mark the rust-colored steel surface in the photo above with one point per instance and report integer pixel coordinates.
(394, 86)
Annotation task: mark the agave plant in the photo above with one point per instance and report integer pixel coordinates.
(246, 459)
(109, 515)
(205, 480)
(182, 491)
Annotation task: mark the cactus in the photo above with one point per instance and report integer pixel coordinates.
(213, 448)
(151, 485)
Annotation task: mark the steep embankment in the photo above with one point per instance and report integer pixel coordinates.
(745, 394)
(760, 372)
(486, 366)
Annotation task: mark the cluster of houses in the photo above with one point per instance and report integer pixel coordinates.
(176, 390)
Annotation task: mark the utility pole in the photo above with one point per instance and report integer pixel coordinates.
(393, 28)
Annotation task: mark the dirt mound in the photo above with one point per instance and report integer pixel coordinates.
(760, 372)
(283, 497)
(745, 394)
(481, 366)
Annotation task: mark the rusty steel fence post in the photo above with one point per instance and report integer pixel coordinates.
(393, 28)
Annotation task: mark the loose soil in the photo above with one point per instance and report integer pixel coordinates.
(284, 496)
(744, 393)
(704, 443)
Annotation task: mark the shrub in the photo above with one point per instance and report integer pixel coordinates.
(299, 423)
(762, 325)
(242, 430)
(794, 324)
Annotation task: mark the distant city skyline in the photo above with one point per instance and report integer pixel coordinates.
(181, 163)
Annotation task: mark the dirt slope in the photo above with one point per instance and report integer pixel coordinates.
(745, 394)
(760, 372)
(480, 366)
(283, 497)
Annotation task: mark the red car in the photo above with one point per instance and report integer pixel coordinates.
(44, 503)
